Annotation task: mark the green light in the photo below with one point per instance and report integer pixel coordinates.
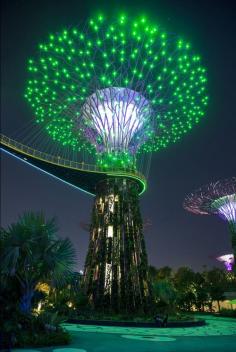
(126, 53)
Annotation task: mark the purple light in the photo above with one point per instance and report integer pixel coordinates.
(228, 260)
(229, 266)
(226, 207)
(216, 198)
(116, 119)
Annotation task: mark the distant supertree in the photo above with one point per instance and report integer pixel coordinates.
(216, 198)
(228, 260)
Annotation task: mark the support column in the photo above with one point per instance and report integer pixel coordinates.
(232, 228)
(116, 268)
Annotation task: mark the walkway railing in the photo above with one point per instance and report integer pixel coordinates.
(57, 160)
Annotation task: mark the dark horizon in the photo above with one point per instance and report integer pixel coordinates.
(207, 153)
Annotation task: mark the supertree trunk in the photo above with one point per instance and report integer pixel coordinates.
(232, 228)
(116, 269)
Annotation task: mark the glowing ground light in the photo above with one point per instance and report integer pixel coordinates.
(67, 349)
(228, 260)
(152, 338)
(118, 58)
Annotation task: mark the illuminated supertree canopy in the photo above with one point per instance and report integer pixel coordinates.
(116, 88)
(216, 198)
(228, 260)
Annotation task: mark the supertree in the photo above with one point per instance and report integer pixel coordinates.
(216, 198)
(117, 89)
(228, 260)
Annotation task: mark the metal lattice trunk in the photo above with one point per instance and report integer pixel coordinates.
(116, 267)
(232, 228)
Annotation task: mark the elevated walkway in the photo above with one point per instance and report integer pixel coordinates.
(80, 175)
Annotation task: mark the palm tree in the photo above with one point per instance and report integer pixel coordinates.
(31, 252)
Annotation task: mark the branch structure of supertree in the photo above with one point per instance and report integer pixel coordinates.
(227, 260)
(216, 198)
(117, 89)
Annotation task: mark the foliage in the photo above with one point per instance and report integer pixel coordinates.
(67, 300)
(160, 274)
(201, 292)
(184, 283)
(216, 282)
(50, 320)
(231, 313)
(54, 338)
(32, 253)
(186, 290)
(41, 330)
(23, 330)
(129, 317)
(166, 296)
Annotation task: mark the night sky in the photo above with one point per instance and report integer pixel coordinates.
(175, 237)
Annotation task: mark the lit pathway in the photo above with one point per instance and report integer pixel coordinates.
(218, 335)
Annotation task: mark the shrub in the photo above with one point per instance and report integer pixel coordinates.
(42, 338)
(24, 330)
(227, 312)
